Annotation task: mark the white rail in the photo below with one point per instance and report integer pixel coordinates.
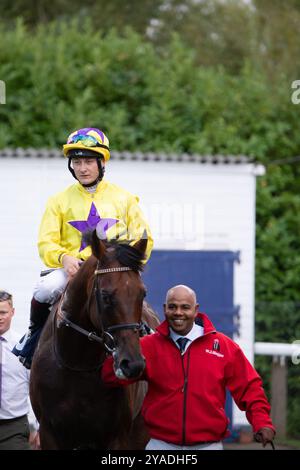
(279, 349)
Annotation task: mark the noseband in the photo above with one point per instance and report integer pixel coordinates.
(106, 335)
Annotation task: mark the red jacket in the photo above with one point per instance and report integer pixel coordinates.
(186, 394)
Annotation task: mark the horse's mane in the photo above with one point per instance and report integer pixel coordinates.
(127, 255)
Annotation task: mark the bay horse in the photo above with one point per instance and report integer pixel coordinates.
(100, 312)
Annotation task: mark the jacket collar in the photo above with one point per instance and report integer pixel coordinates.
(201, 319)
(101, 185)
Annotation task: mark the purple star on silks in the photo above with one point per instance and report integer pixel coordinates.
(93, 221)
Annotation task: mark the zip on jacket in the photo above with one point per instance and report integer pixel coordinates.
(185, 383)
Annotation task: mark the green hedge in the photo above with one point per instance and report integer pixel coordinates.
(66, 75)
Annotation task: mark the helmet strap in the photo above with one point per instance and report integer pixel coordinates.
(101, 168)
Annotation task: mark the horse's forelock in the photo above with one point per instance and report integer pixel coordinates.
(128, 256)
(125, 254)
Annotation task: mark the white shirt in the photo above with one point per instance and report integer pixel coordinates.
(195, 333)
(15, 380)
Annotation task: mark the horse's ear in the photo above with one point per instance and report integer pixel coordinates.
(91, 239)
(97, 245)
(141, 245)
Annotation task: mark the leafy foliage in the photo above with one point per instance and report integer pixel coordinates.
(278, 273)
(64, 75)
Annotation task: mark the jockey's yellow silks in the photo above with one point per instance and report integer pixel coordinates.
(113, 211)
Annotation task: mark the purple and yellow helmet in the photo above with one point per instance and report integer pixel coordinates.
(86, 142)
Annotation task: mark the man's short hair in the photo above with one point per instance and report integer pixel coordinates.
(6, 297)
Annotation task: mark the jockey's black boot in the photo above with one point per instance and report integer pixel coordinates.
(39, 313)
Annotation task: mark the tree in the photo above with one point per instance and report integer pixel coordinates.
(277, 26)
(103, 14)
(220, 32)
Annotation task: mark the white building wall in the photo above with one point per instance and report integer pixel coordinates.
(213, 207)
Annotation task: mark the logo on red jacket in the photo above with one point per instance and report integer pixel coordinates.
(215, 349)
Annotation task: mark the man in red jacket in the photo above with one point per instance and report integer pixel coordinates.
(189, 365)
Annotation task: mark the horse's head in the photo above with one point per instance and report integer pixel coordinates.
(119, 294)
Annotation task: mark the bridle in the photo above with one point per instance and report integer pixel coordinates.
(105, 336)
(99, 302)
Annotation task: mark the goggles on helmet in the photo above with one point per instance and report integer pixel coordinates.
(86, 140)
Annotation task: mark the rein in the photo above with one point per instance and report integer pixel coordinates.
(105, 336)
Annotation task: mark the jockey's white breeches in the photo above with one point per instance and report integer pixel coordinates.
(50, 287)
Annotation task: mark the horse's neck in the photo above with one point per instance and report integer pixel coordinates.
(75, 301)
(73, 348)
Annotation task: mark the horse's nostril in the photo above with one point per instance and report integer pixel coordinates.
(132, 369)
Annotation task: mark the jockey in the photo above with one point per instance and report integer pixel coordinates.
(90, 203)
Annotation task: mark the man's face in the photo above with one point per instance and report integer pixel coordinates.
(181, 310)
(86, 169)
(6, 314)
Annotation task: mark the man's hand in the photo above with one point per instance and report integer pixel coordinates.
(71, 265)
(264, 435)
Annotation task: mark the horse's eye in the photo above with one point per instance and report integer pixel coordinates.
(107, 298)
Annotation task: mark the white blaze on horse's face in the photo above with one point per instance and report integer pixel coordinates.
(118, 371)
(119, 374)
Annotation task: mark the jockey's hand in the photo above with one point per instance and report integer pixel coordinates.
(71, 265)
(264, 435)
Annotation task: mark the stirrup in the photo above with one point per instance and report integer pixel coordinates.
(18, 348)
(26, 347)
